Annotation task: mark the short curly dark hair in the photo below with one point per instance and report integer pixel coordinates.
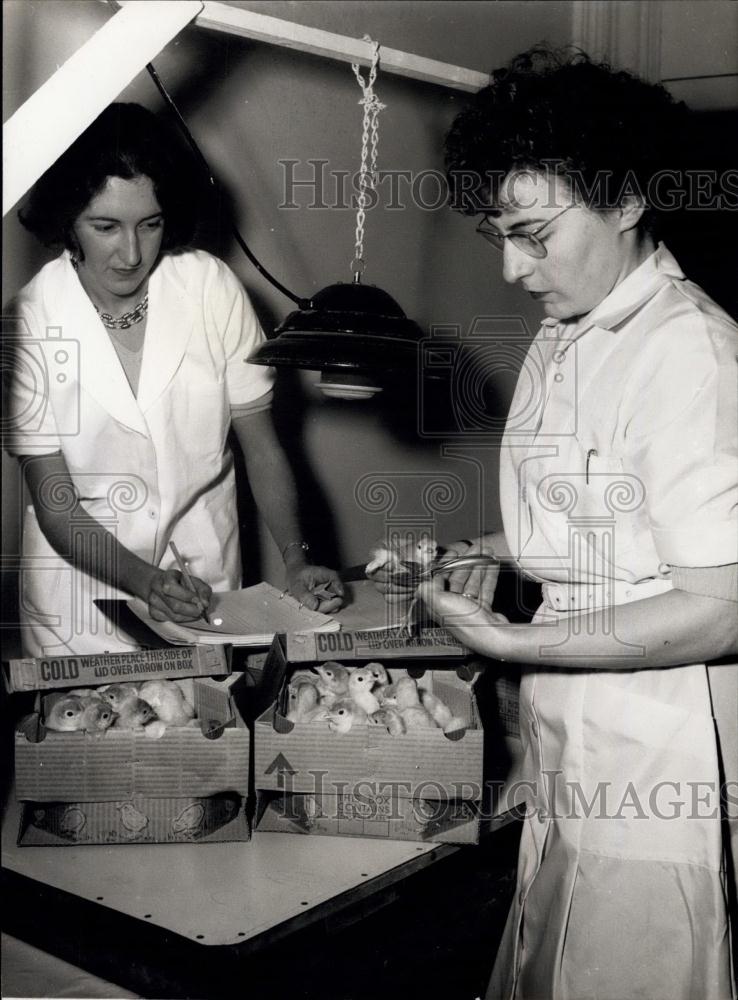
(126, 141)
(606, 132)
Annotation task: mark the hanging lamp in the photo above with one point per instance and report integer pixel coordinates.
(356, 335)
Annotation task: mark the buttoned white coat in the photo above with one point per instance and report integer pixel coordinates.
(621, 466)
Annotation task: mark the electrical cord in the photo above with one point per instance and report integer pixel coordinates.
(200, 157)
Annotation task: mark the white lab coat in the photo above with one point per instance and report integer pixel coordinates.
(627, 466)
(152, 468)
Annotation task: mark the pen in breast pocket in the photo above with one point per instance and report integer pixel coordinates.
(590, 454)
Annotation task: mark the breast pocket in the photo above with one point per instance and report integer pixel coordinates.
(591, 500)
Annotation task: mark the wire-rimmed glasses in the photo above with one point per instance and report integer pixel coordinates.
(527, 242)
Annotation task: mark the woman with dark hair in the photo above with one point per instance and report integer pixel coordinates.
(130, 370)
(619, 491)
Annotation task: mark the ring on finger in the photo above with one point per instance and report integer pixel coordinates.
(471, 597)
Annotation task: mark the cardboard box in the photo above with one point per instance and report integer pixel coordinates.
(209, 756)
(191, 784)
(422, 785)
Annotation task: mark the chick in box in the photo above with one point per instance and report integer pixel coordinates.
(149, 707)
(341, 697)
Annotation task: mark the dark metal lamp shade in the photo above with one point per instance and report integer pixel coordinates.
(356, 335)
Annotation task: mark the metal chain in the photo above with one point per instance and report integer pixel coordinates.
(369, 138)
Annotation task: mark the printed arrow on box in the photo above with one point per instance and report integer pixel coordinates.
(282, 766)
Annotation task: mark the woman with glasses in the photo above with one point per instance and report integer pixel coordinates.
(619, 493)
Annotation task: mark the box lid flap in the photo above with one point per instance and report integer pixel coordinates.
(39, 673)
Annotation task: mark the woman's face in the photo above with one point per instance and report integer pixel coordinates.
(119, 233)
(588, 252)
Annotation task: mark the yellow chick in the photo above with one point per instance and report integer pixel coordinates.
(380, 675)
(389, 719)
(65, 715)
(402, 694)
(344, 715)
(303, 676)
(394, 558)
(416, 717)
(441, 713)
(135, 714)
(119, 695)
(302, 700)
(333, 679)
(168, 702)
(360, 685)
(187, 686)
(98, 716)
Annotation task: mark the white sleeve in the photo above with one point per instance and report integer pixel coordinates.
(240, 332)
(684, 442)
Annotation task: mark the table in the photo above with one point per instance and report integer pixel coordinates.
(206, 906)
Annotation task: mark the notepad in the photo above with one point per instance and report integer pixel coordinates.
(247, 617)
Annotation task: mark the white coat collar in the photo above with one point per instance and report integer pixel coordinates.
(626, 298)
(169, 327)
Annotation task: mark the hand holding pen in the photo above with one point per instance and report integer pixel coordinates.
(176, 595)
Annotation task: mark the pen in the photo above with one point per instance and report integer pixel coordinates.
(188, 579)
(590, 454)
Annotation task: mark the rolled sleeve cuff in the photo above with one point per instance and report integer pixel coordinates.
(698, 544)
(249, 384)
(707, 581)
(255, 406)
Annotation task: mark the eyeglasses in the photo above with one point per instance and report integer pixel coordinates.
(527, 242)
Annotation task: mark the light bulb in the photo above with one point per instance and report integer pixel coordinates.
(336, 385)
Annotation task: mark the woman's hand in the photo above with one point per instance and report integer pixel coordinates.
(171, 600)
(396, 587)
(467, 618)
(316, 587)
(479, 584)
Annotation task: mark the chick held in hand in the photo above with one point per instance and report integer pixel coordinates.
(360, 691)
(168, 702)
(394, 558)
(66, 714)
(344, 715)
